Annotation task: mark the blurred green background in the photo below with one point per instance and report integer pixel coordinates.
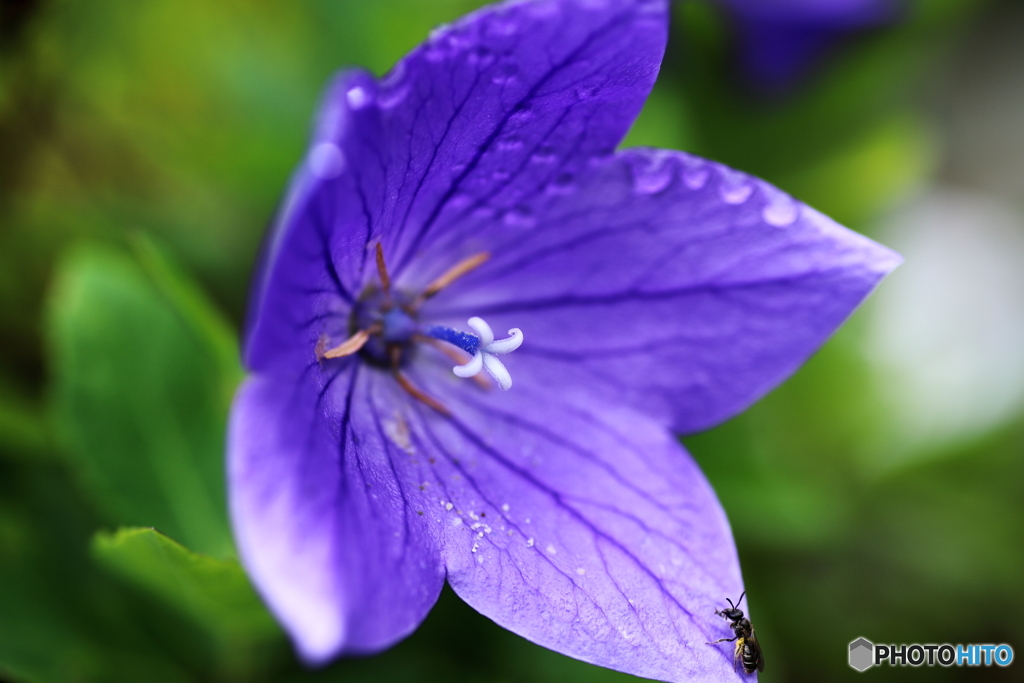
(143, 148)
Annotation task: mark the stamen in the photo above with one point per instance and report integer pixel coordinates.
(350, 345)
(410, 388)
(419, 395)
(454, 273)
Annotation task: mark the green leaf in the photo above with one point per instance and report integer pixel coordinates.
(212, 592)
(61, 618)
(22, 425)
(140, 393)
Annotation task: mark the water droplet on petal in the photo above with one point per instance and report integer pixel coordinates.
(389, 98)
(564, 183)
(585, 92)
(521, 114)
(653, 174)
(504, 73)
(358, 97)
(326, 160)
(519, 217)
(544, 155)
(510, 144)
(438, 47)
(780, 210)
(735, 187)
(503, 23)
(460, 200)
(481, 56)
(695, 173)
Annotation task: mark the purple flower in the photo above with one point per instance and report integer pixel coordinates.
(781, 38)
(656, 292)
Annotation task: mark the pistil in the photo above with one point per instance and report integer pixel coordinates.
(386, 327)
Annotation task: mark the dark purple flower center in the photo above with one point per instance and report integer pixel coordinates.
(393, 320)
(385, 330)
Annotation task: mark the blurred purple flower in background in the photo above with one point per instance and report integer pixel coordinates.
(780, 39)
(656, 292)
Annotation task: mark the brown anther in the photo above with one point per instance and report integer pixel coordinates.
(347, 347)
(464, 266)
(410, 388)
(382, 271)
(457, 356)
(419, 395)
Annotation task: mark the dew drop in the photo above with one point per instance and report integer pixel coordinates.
(695, 178)
(544, 155)
(357, 97)
(695, 173)
(326, 160)
(519, 217)
(503, 25)
(653, 175)
(735, 188)
(481, 56)
(781, 209)
(438, 46)
(521, 114)
(510, 144)
(564, 183)
(585, 92)
(389, 98)
(460, 200)
(504, 73)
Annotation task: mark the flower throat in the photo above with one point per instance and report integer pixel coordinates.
(385, 331)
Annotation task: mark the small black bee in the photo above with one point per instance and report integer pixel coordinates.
(748, 650)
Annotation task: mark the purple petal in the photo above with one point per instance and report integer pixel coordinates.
(583, 527)
(683, 288)
(488, 106)
(311, 268)
(475, 118)
(325, 524)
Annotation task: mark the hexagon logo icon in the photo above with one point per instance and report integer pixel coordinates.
(862, 654)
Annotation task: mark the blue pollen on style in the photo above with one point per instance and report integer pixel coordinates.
(466, 342)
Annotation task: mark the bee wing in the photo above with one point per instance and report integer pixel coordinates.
(756, 647)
